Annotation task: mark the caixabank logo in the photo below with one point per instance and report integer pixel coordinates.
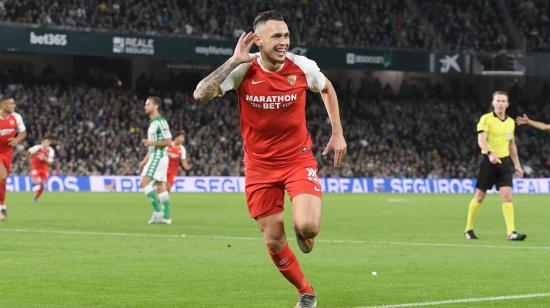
(133, 45)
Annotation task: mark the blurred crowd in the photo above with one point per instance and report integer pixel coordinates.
(484, 25)
(413, 133)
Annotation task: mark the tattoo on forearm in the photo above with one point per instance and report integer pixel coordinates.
(208, 87)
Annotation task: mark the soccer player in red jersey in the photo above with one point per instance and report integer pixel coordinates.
(42, 156)
(176, 153)
(271, 87)
(12, 132)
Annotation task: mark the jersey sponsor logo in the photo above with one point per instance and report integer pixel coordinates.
(271, 101)
(173, 154)
(257, 81)
(291, 79)
(6, 131)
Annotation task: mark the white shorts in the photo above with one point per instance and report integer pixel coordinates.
(156, 168)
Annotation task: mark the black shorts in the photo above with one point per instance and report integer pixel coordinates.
(500, 175)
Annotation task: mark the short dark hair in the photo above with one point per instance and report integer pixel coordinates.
(181, 132)
(500, 93)
(48, 137)
(263, 17)
(6, 98)
(156, 100)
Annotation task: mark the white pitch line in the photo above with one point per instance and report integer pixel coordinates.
(464, 300)
(244, 238)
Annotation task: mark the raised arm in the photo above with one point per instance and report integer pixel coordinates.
(209, 87)
(337, 143)
(160, 143)
(520, 120)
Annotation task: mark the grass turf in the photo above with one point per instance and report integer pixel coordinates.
(95, 249)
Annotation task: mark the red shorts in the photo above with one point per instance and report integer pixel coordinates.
(265, 185)
(170, 176)
(5, 159)
(39, 174)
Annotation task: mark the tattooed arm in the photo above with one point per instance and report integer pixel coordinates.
(209, 87)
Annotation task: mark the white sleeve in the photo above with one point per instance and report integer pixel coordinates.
(316, 80)
(234, 79)
(183, 152)
(165, 129)
(20, 125)
(34, 149)
(51, 155)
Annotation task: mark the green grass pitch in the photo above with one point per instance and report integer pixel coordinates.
(96, 250)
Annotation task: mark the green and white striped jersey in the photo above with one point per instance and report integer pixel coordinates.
(158, 130)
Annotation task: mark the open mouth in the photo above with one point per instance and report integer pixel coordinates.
(281, 52)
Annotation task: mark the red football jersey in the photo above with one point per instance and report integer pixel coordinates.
(9, 128)
(175, 154)
(41, 158)
(272, 107)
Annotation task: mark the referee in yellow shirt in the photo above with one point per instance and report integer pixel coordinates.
(499, 163)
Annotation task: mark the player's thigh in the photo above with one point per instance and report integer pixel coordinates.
(264, 199)
(265, 194)
(486, 176)
(306, 213)
(35, 176)
(43, 175)
(505, 179)
(4, 172)
(144, 181)
(170, 179)
(272, 227)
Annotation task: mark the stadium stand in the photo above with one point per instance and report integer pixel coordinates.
(389, 134)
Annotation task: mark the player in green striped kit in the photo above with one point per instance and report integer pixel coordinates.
(155, 164)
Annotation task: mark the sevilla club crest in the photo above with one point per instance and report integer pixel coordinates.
(291, 79)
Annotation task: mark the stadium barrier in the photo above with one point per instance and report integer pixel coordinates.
(236, 184)
(167, 47)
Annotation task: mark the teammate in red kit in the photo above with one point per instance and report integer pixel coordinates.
(12, 132)
(176, 153)
(271, 87)
(42, 156)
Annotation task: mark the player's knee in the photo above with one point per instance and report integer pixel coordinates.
(479, 196)
(143, 183)
(308, 228)
(506, 198)
(275, 243)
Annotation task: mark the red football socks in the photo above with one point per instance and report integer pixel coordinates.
(3, 192)
(39, 192)
(288, 265)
